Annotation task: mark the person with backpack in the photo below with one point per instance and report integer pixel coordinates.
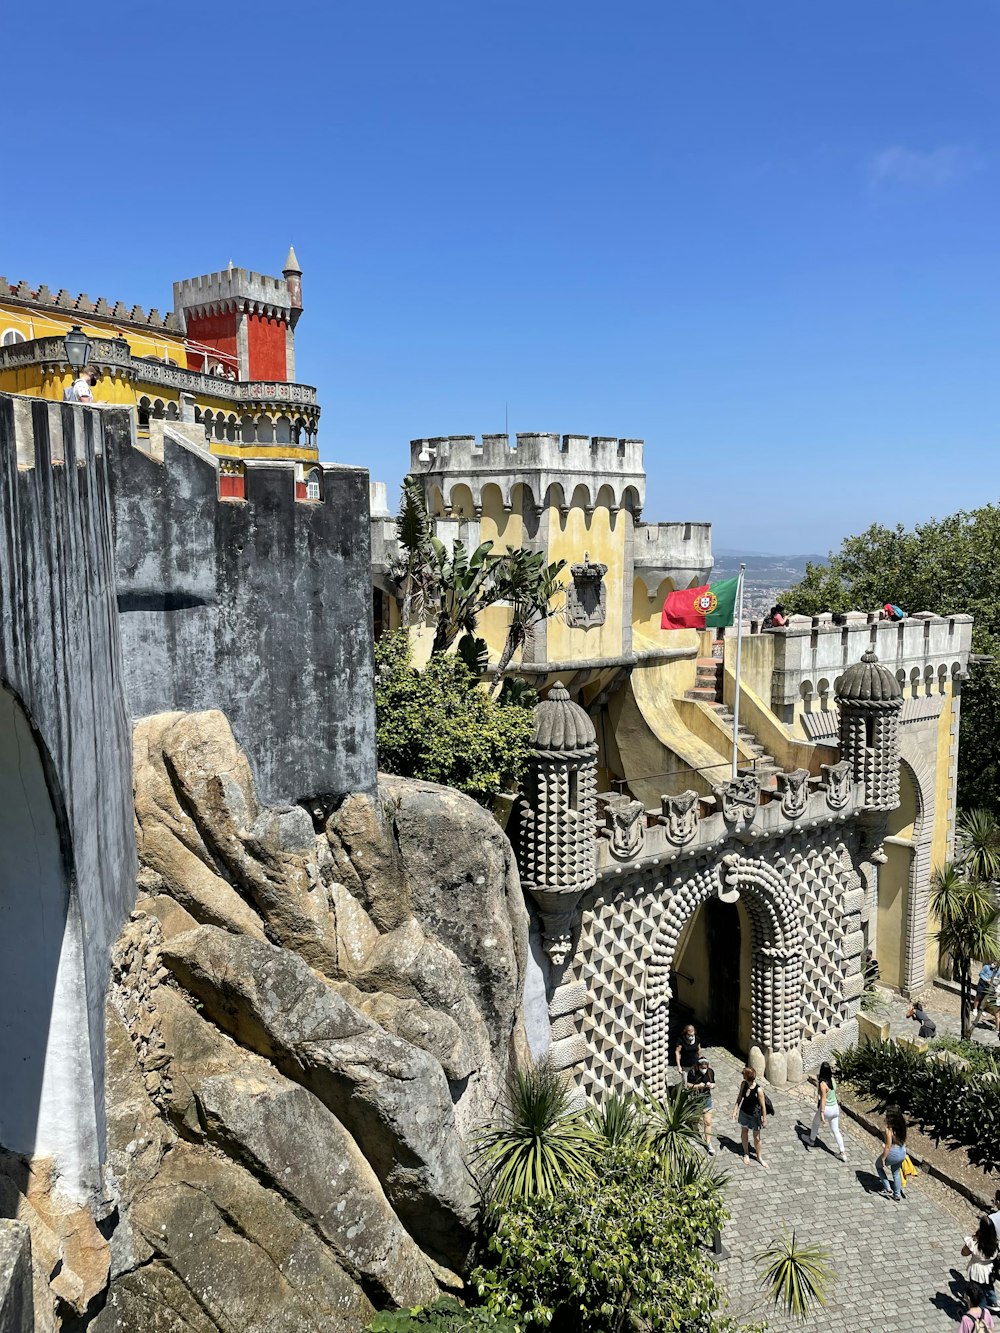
(981, 1252)
(977, 1319)
(919, 1014)
(752, 1110)
(827, 1109)
(892, 1154)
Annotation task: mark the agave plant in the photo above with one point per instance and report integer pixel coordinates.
(797, 1275)
(541, 1145)
(675, 1126)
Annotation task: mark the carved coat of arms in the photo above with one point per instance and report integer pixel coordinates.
(680, 816)
(838, 784)
(625, 826)
(738, 798)
(794, 788)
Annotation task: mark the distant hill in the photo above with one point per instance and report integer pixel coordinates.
(767, 576)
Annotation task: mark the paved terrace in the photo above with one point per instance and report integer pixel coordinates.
(897, 1266)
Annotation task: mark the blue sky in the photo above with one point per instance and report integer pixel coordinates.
(762, 236)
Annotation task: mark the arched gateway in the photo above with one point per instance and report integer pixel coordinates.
(776, 966)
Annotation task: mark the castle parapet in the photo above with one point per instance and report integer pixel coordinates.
(563, 470)
(678, 551)
(924, 652)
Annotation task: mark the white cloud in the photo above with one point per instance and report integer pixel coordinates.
(931, 170)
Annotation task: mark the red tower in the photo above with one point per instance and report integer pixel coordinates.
(241, 324)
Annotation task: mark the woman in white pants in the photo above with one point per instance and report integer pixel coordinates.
(827, 1109)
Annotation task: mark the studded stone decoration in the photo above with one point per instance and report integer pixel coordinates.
(557, 817)
(870, 701)
(615, 946)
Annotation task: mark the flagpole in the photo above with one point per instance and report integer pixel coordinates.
(736, 692)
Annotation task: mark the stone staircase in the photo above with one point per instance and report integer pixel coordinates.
(708, 690)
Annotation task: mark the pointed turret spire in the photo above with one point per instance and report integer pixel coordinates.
(291, 263)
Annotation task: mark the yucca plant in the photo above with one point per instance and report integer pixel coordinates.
(977, 844)
(620, 1120)
(796, 1275)
(540, 1146)
(675, 1126)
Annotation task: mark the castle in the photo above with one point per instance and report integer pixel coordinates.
(664, 884)
(221, 363)
(150, 564)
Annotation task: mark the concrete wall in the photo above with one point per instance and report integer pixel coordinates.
(260, 607)
(61, 673)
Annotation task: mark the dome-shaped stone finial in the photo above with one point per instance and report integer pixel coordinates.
(867, 681)
(562, 726)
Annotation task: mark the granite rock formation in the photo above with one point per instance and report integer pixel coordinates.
(309, 1013)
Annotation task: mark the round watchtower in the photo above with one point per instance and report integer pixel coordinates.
(870, 700)
(558, 817)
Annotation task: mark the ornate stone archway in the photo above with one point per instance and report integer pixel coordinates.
(776, 966)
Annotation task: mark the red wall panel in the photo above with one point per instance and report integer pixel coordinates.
(266, 345)
(215, 331)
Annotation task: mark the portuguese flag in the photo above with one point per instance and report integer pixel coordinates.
(698, 608)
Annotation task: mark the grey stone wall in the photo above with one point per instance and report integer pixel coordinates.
(261, 608)
(60, 655)
(17, 1307)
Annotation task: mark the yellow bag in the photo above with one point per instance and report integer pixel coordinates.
(907, 1170)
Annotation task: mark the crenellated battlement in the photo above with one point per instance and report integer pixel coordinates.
(65, 303)
(679, 551)
(233, 289)
(564, 470)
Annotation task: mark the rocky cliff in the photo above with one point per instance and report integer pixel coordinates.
(309, 1013)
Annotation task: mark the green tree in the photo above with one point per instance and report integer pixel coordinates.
(464, 587)
(944, 565)
(414, 574)
(436, 724)
(530, 586)
(978, 845)
(968, 915)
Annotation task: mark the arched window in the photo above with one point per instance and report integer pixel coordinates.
(10, 337)
(314, 485)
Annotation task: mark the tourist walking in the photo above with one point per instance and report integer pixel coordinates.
(977, 1319)
(751, 1110)
(891, 1157)
(687, 1051)
(988, 974)
(828, 1109)
(702, 1079)
(981, 1252)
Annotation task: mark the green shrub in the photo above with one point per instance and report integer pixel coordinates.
(959, 1104)
(795, 1275)
(980, 1059)
(626, 1252)
(436, 724)
(444, 1316)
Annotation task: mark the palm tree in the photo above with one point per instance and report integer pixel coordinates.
(541, 1144)
(465, 587)
(969, 916)
(529, 585)
(796, 1275)
(978, 844)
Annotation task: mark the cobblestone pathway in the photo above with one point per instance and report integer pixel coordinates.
(943, 1006)
(897, 1266)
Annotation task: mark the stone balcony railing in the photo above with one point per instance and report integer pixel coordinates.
(113, 355)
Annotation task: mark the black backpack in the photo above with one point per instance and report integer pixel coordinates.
(750, 1094)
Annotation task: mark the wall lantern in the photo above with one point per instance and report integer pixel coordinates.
(77, 346)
